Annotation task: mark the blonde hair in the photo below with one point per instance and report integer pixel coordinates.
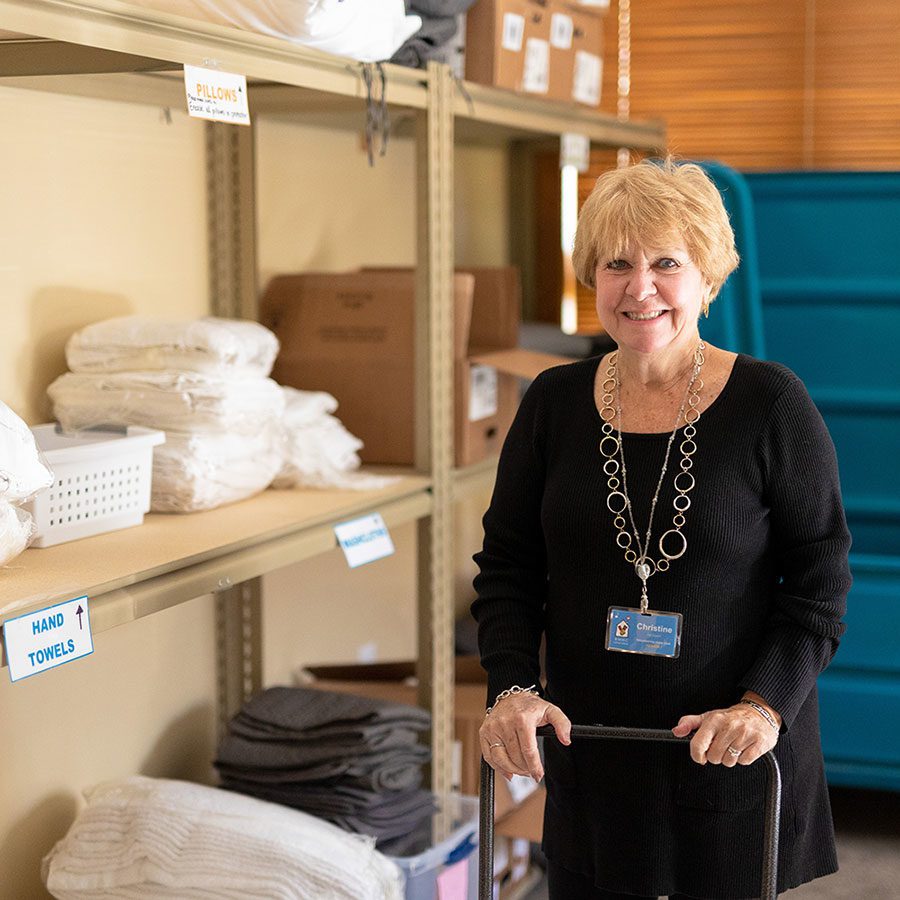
(649, 205)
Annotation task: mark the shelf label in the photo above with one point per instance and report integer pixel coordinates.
(48, 638)
(217, 96)
(364, 540)
(588, 75)
(575, 150)
(513, 32)
(562, 30)
(484, 392)
(536, 74)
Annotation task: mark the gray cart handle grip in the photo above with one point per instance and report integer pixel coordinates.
(769, 888)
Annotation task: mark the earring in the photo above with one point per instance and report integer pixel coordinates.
(705, 308)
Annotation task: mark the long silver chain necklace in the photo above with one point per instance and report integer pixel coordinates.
(619, 502)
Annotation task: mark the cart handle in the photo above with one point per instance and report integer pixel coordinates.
(769, 889)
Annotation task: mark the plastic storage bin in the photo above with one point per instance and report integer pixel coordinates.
(440, 851)
(102, 482)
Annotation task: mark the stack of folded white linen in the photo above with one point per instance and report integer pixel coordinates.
(23, 473)
(203, 382)
(318, 451)
(145, 837)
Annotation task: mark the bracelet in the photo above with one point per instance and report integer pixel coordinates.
(515, 689)
(763, 712)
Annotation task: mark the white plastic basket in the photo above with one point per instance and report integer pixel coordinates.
(102, 482)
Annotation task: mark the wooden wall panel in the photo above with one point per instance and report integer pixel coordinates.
(856, 100)
(761, 85)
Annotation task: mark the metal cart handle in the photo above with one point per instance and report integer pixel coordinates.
(769, 889)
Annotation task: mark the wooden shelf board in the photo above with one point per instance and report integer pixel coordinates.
(90, 36)
(172, 558)
(485, 113)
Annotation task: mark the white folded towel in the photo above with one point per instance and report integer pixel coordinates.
(318, 451)
(176, 400)
(16, 531)
(23, 472)
(144, 837)
(202, 471)
(135, 343)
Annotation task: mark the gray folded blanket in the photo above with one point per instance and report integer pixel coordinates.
(389, 770)
(285, 712)
(372, 815)
(237, 750)
(351, 760)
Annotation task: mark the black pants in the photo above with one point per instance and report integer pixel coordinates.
(565, 885)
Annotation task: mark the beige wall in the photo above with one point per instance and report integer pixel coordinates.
(104, 215)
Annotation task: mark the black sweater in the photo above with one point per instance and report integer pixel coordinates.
(762, 588)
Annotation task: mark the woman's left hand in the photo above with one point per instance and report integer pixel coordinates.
(727, 737)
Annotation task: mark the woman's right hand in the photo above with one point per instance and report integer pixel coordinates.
(507, 735)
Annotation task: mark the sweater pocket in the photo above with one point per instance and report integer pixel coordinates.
(718, 788)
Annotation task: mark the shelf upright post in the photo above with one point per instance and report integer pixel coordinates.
(231, 220)
(434, 413)
(231, 226)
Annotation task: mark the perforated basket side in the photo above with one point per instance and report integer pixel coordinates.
(93, 496)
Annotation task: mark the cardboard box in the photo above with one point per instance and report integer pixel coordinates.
(576, 51)
(508, 45)
(525, 819)
(353, 335)
(396, 681)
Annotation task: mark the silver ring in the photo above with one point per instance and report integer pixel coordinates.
(498, 744)
(735, 753)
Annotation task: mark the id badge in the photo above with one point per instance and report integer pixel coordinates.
(653, 633)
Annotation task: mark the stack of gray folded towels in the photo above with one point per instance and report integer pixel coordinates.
(353, 761)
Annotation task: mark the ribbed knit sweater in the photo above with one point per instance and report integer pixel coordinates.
(762, 589)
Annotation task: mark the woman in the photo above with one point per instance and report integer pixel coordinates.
(714, 554)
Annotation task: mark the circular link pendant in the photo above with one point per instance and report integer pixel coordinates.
(673, 543)
(683, 544)
(613, 442)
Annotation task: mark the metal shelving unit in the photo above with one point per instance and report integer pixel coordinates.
(116, 50)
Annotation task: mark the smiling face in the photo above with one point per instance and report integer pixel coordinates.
(649, 300)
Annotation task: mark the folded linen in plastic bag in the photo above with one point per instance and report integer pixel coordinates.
(140, 343)
(176, 401)
(16, 531)
(193, 472)
(23, 472)
(366, 30)
(319, 452)
(145, 837)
